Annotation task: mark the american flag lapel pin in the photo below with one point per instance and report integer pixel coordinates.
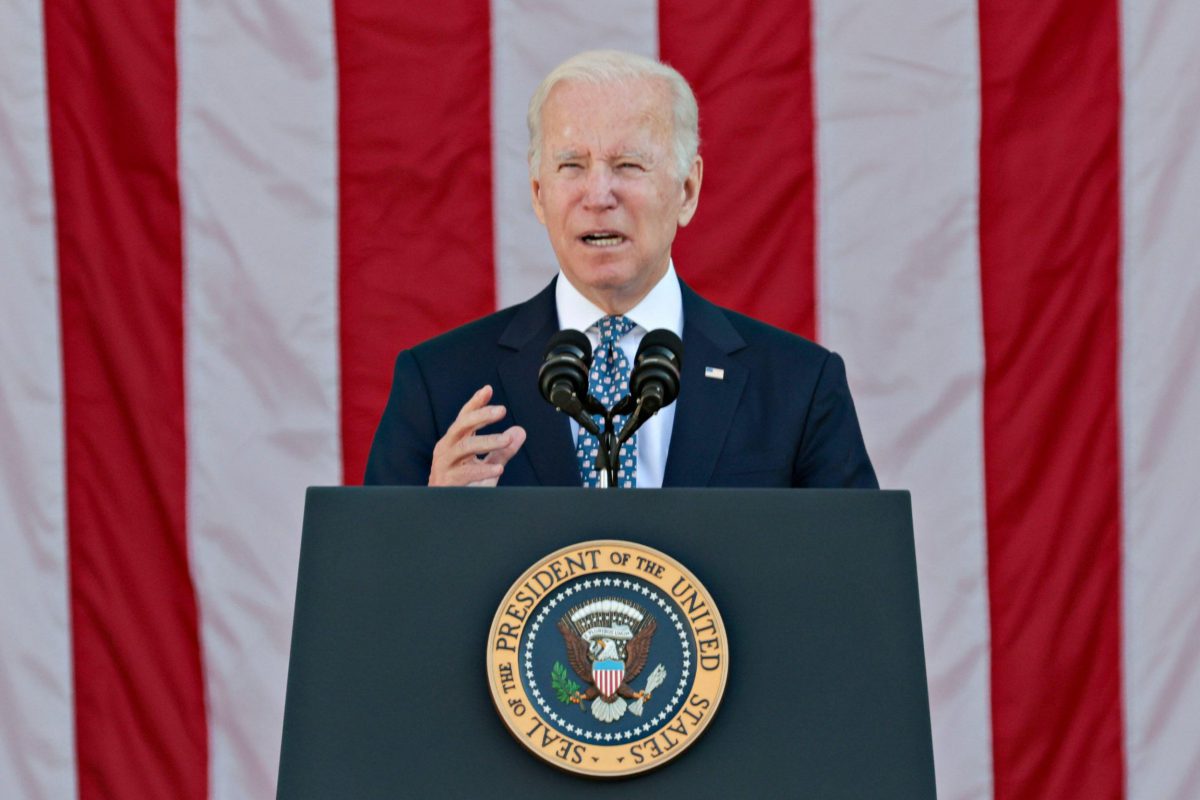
(716, 373)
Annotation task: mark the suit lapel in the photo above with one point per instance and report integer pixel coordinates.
(548, 446)
(705, 408)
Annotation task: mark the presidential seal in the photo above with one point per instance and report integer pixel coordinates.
(607, 658)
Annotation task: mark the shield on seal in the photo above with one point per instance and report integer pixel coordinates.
(607, 676)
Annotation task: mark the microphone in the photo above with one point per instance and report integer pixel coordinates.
(654, 380)
(563, 376)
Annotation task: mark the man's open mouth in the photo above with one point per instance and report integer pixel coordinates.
(602, 239)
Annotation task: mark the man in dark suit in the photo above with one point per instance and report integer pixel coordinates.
(614, 172)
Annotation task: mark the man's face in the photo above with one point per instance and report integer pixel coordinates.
(606, 189)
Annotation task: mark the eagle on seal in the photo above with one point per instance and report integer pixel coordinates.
(608, 643)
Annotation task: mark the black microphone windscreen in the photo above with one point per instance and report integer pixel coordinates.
(570, 338)
(661, 337)
(657, 369)
(563, 376)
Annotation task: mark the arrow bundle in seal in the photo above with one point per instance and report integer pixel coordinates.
(653, 682)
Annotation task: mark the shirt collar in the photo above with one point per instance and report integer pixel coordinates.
(661, 308)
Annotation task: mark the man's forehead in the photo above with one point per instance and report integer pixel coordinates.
(650, 84)
(618, 117)
(643, 99)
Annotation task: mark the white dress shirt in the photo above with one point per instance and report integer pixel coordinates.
(661, 308)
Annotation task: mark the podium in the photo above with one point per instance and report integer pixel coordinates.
(388, 694)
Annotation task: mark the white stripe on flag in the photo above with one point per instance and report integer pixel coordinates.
(258, 164)
(528, 40)
(37, 753)
(1160, 390)
(898, 286)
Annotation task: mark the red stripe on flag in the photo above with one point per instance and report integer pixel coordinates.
(416, 194)
(1049, 239)
(750, 245)
(139, 697)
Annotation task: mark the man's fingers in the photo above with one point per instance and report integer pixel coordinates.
(462, 457)
(477, 400)
(463, 428)
(476, 471)
(483, 444)
(466, 471)
(516, 438)
(496, 459)
(470, 420)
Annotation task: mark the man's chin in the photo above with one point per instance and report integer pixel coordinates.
(612, 257)
(605, 277)
(613, 287)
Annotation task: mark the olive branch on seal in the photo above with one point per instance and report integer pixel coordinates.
(564, 687)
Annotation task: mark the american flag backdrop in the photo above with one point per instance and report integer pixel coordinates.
(221, 219)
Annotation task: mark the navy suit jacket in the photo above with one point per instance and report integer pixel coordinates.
(782, 416)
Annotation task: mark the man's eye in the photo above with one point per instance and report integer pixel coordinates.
(630, 166)
(570, 165)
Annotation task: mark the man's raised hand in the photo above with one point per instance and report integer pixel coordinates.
(464, 458)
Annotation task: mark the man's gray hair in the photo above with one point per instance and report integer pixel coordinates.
(612, 66)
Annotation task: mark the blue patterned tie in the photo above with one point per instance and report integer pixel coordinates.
(608, 380)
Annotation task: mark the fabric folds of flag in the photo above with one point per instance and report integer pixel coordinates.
(219, 222)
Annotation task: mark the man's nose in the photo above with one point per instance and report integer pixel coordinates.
(598, 190)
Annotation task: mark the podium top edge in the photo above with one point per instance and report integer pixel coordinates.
(679, 490)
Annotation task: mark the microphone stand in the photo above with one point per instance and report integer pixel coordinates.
(608, 459)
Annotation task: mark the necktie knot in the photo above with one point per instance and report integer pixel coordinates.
(614, 327)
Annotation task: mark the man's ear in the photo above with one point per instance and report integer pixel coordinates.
(535, 196)
(691, 192)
